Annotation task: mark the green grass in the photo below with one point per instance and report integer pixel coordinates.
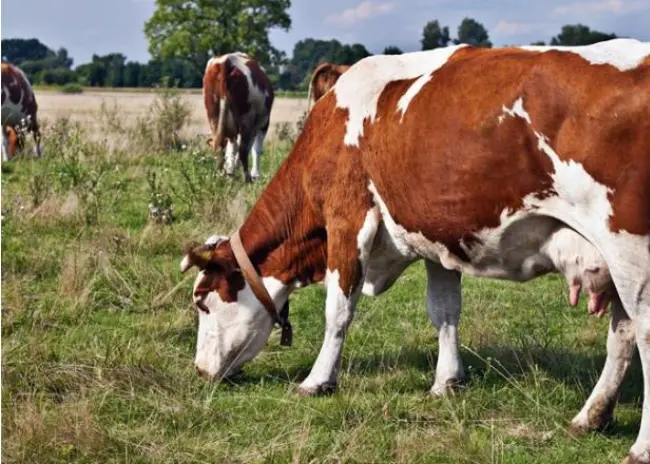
(98, 337)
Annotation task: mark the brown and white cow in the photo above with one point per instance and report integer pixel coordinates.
(508, 163)
(19, 110)
(238, 97)
(324, 77)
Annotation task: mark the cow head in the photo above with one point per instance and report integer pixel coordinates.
(584, 268)
(233, 324)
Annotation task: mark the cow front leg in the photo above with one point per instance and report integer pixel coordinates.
(599, 407)
(347, 260)
(443, 305)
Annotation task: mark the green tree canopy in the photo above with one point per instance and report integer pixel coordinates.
(392, 50)
(579, 34)
(309, 53)
(195, 30)
(434, 36)
(474, 33)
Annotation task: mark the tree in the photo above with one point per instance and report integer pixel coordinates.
(309, 53)
(433, 36)
(579, 34)
(539, 42)
(472, 32)
(17, 51)
(392, 50)
(195, 30)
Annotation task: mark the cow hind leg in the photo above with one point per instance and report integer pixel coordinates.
(258, 144)
(347, 260)
(443, 306)
(599, 407)
(628, 258)
(244, 148)
(230, 157)
(37, 141)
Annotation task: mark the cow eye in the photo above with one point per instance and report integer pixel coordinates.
(594, 270)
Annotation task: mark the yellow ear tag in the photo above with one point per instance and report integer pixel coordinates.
(205, 254)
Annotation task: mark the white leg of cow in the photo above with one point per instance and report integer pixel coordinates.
(257, 152)
(339, 311)
(599, 407)
(5, 145)
(231, 158)
(629, 263)
(344, 282)
(444, 305)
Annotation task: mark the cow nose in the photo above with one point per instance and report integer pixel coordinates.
(202, 373)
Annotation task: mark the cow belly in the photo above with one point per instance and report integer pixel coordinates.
(522, 247)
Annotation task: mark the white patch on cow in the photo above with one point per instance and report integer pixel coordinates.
(623, 54)
(359, 88)
(233, 333)
(516, 110)
(367, 233)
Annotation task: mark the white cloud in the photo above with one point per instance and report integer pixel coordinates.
(510, 28)
(360, 13)
(603, 6)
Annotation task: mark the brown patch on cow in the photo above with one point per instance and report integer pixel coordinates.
(323, 78)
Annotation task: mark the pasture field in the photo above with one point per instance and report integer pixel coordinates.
(87, 106)
(98, 332)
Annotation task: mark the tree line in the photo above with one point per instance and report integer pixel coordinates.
(183, 38)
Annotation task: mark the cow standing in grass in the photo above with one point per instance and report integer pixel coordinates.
(506, 163)
(324, 77)
(238, 97)
(19, 110)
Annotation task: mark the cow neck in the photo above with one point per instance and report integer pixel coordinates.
(282, 235)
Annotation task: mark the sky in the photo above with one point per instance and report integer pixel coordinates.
(85, 27)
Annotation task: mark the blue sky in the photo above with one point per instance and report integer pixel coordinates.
(85, 27)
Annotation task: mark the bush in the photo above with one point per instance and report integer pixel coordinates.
(72, 88)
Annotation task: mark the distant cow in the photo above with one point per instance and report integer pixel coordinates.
(19, 110)
(324, 77)
(507, 163)
(238, 97)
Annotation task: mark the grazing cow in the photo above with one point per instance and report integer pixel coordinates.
(238, 97)
(19, 110)
(324, 77)
(492, 162)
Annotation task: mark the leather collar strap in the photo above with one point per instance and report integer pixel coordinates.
(260, 292)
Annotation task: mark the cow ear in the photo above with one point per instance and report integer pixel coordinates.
(207, 254)
(196, 254)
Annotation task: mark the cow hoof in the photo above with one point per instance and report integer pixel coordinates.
(631, 459)
(577, 430)
(325, 389)
(450, 386)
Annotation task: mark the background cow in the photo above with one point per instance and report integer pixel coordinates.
(324, 77)
(515, 159)
(19, 110)
(238, 97)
